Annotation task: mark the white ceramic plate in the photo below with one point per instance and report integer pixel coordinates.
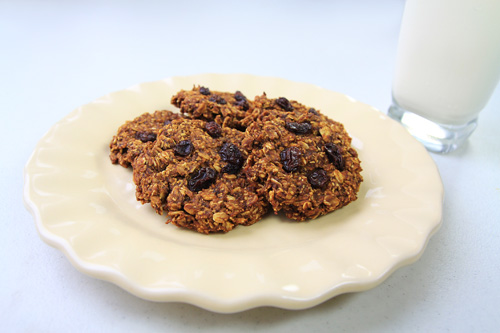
(85, 206)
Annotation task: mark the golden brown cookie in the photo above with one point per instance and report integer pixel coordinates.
(193, 172)
(304, 162)
(265, 108)
(227, 109)
(134, 135)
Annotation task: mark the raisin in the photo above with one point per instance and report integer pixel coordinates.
(145, 136)
(184, 148)
(334, 154)
(217, 99)
(167, 122)
(243, 105)
(290, 157)
(298, 128)
(231, 168)
(313, 111)
(205, 91)
(284, 104)
(239, 96)
(241, 101)
(231, 154)
(201, 179)
(318, 178)
(213, 129)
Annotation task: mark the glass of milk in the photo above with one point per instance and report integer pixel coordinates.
(447, 67)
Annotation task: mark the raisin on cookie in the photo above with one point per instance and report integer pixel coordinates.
(194, 174)
(133, 136)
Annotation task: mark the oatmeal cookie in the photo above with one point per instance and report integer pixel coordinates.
(193, 172)
(227, 109)
(304, 162)
(269, 108)
(133, 136)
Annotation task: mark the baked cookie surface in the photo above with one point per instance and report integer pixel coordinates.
(193, 172)
(270, 108)
(133, 136)
(303, 160)
(227, 109)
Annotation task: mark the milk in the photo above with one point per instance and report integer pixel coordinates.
(448, 61)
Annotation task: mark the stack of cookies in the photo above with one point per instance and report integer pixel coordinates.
(226, 160)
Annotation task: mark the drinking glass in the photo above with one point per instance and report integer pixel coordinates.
(447, 67)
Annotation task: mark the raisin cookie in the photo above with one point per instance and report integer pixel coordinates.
(227, 109)
(269, 108)
(304, 163)
(193, 172)
(136, 134)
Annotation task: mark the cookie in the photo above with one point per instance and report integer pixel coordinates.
(265, 108)
(227, 109)
(133, 136)
(303, 160)
(193, 172)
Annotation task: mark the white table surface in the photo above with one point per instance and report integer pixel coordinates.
(58, 55)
